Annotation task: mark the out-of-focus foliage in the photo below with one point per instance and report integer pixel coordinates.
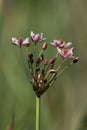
(64, 106)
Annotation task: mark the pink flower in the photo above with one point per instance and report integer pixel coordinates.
(21, 41)
(37, 37)
(61, 44)
(66, 53)
(58, 43)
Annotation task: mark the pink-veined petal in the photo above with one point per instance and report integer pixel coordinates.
(37, 37)
(69, 53)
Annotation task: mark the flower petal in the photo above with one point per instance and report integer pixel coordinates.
(26, 42)
(32, 34)
(15, 41)
(67, 44)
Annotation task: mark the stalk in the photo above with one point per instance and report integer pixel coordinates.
(38, 113)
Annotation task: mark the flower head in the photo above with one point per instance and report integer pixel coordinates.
(37, 37)
(66, 53)
(58, 43)
(21, 41)
(44, 71)
(61, 44)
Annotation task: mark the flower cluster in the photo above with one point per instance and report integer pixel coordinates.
(42, 71)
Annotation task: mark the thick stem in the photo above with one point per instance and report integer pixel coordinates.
(38, 113)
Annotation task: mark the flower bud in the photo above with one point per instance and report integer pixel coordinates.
(44, 46)
(30, 55)
(52, 60)
(45, 62)
(75, 60)
(41, 57)
(37, 68)
(53, 71)
(38, 60)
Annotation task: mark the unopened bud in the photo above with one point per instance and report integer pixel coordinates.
(37, 68)
(45, 62)
(53, 71)
(42, 71)
(52, 60)
(44, 46)
(41, 57)
(75, 60)
(30, 55)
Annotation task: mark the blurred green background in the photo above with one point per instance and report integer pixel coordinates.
(64, 106)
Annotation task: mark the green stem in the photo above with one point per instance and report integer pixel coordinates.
(37, 113)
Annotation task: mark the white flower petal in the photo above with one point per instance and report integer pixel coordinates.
(53, 44)
(67, 44)
(59, 51)
(32, 34)
(15, 41)
(26, 42)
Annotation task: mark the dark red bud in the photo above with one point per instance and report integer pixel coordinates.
(44, 46)
(45, 62)
(41, 57)
(75, 60)
(52, 60)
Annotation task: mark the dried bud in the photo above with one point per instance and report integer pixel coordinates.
(37, 60)
(42, 71)
(53, 71)
(30, 55)
(45, 81)
(31, 60)
(75, 60)
(44, 46)
(40, 76)
(45, 62)
(37, 68)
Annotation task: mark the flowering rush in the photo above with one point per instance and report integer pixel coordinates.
(42, 72)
